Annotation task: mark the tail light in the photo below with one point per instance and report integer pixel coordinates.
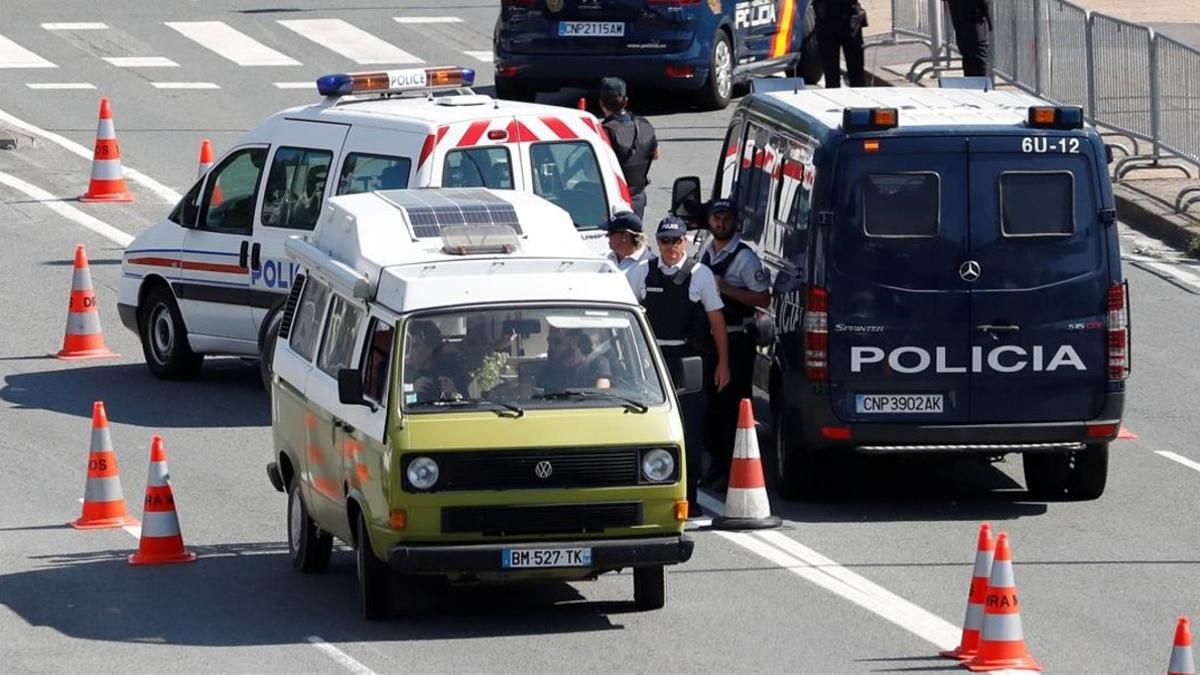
(1118, 332)
(816, 334)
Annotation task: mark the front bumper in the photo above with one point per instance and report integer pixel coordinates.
(607, 554)
(552, 71)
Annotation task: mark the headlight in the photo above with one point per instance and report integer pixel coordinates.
(658, 466)
(422, 473)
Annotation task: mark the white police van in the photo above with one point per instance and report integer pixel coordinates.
(947, 279)
(210, 277)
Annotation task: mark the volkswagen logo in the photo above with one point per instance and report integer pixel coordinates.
(969, 271)
(543, 469)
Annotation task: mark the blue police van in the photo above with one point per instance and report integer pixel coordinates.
(705, 47)
(946, 279)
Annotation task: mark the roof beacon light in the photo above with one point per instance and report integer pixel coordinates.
(395, 81)
(1056, 117)
(479, 238)
(869, 119)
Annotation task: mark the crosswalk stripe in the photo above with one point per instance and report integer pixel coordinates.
(427, 19)
(231, 43)
(486, 57)
(13, 55)
(60, 85)
(141, 61)
(76, 25)
(295, 85)
(349, 41)
(185, 85)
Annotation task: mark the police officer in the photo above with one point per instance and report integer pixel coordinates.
(626, 243)
(839, 25)
(742, 281)
(972, 23)
(632, 138)
(683, 306)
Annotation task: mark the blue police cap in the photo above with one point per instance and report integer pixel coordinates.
(612, 87)
(671, 227)
(721, 205)
(624, 221)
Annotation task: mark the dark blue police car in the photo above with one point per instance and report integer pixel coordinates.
(701, 46)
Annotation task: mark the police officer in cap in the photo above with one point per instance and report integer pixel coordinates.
(626, 243)
(744, 286)
(683, 306)
(632, 138)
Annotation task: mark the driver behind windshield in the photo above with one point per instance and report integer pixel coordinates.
(571, 363)
(435, 375)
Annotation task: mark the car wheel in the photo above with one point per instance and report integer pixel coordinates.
(164, 338)
(649, 587)
(308, 547)
(266, 347)
(718, 90)
(511, 91)
(797, 469)
(1080, 475)
(374, 577)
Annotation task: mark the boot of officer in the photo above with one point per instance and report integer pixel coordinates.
(683, 306)
(744, 286)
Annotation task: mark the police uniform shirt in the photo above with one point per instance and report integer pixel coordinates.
(702, 287)
(746, 271)
(630, 261)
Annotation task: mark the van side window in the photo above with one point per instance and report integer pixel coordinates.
(1037, 204)
(786, 230)
(754, 181)
(901, 204)
(729, 159)
(307, 324)
(568, 175)
(184, 212)
(362, 172)
(377, 360)
(341, 336)
(232, 191)
(488, 167)
(296, 188)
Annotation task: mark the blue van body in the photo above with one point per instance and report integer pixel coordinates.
(651, 44)
(949, 284)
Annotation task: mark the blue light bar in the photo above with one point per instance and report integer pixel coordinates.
(395, 81)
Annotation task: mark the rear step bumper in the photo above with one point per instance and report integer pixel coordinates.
(551, 71)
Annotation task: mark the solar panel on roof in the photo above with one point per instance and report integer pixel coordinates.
(430, 211)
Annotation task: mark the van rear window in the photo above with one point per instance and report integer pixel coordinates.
(1037, 204)
(901, 204)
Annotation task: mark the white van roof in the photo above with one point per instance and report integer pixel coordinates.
(917, 106)
(423, 248)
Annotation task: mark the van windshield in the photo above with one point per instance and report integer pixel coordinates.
(524, 358)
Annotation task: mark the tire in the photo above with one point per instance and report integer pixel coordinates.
(649, 587)
(1080, 476)
(164, 338)
(266, 346)
(308, 547)
(718, 90)
(510, 91)
(374, 577)
(797, 469)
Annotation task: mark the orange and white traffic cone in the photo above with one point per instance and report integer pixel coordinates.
(746, 505)
(161, 542)
(984, 550)
(103, 502)
(83, 338)
(1182, 662)
(108, 180)
(1002, 643)
(206, 157)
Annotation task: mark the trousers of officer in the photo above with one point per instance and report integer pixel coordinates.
(638, 201)
(725, 405)
(839, 29)
(694, 409)
(971, 29)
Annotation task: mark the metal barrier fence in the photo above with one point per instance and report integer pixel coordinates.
(1129, 80)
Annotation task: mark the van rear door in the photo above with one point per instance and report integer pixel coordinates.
(898, 310)
(1038, 307)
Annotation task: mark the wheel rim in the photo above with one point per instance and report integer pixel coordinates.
(294, 521)
(162, 333)
(723, 69)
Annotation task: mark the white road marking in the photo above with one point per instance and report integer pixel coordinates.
(1175, 272)
(486, 57)
(167, 194)
(348, 40)
(231, 43)
(185, 85)
(345, 660)
(55, 204)
(77, 25)
(134, 530)
(296, 85)
(1179, 458)
(427, 19)
(60, 85)
(13, 55)
(141, 61)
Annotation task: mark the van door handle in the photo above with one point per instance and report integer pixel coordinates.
(989, 328)
(339, 423)
(243, 253)
(255, 262)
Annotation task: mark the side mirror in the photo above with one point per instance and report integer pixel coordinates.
(685, 199)
(350, 388)
(189, 214)
(691, 376)
(523, 327)
(1108, 153)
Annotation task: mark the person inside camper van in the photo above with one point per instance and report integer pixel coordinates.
(571, 363)
(431, 373)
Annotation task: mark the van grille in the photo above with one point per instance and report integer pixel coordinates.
(519, 469)
(558, 519)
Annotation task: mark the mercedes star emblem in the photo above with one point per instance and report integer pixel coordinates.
(969, 271)
(543, 469)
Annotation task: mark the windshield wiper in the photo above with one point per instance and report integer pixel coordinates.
(630, 404)
(501, 409)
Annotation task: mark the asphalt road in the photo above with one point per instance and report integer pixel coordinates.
(872, 583)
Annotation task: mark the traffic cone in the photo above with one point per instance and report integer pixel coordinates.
(582, 105)
(1002, 644)
(984, 550)
(206, 157)
(746, 506)
(161, 542)
(1181, 654)
(83, 338)
(103, 503)
(108, 180)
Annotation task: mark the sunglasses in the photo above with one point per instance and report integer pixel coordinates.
(670, 241)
